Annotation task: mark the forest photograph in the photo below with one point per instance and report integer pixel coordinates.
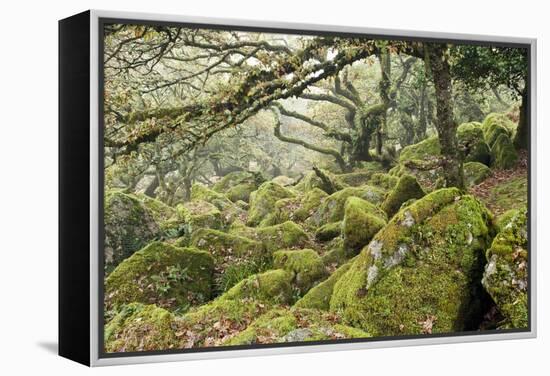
(272, 187)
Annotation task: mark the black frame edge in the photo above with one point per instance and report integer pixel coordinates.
(74, 187)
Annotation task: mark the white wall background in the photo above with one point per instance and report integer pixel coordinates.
(28, 196)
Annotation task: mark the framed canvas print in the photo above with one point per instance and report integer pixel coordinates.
(236, 188)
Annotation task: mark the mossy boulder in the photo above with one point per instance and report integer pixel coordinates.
(294, 325)
(236, 178)
(332, 207)
(305, 265)
(168, 276)
(241, 192)
(139, 327)
(496, 124)
(503, 153)
(272, 286)
(283, 180)
(362, 220)
(472, 144)
(319, 296)
(297, 208)
(129, 225)
(200, 192)
(308, 182)
(262, 202)
(236, 257)
(336, 254)
(329, 231)
(421, 151)
(158, 209)
(421, 273)
(213, 323)
(284, 235)
(356, 178)
(383, 180)
(505, 277)
(199, 214)
(406, 188)
(475, 173)
(505, 218)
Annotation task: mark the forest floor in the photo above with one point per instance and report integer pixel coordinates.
(505, 189)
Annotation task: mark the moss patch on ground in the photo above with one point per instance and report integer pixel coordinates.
(171, 277)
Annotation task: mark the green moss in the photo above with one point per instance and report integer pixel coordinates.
(336, 254)
(236, 257)
(504, 219)
(383, 180)
(503, 153)
(305, 265)
(505, 277)
(171, 277)
(262, 202)
(421, 151)
(241, 192)
(129, 225)
(309, 182)
(356, 178)
(139, 327)
(329, 231)
(407, 188)
(233, 179)
(362, 220)
(201, 192)
(472, 144)
(284, 235)
(510, 194)
(319, 296)
(420, 274)
(294, 325)
(158, 209)
(475, 173)
(332, 208)
(272, 286)
(496, 124)
(199, 214)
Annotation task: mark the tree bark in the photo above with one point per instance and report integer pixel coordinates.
(445, 124)
(521, 139)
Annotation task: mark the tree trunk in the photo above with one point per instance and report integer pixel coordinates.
(446, 127)
(361, 143)
(521, 139)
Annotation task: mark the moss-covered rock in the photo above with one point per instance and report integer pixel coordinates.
(332, 208)
(421, 151)
(235, 178)
(308, 182)
(139, 327)
(200, 192)
(262, 203)
(305, 265)
(319, 296)
(472, 144)
(329, 231)
(297, 208)
(407, 188)
(496, 124)
(241, 192)
(356, 178)
(503, 153)
(508, 194)
(129, 226)
(383, 180)
(272, 286)
(505, 218)
(199, 214)
(421, 273)
(158, 209)
(284, 235)
(211, 324)
(283, 180)
(168, 276)
(336, 254)
(475, 173)
(362, 220)
(294, 325)
(236, 257)
(505, 277)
